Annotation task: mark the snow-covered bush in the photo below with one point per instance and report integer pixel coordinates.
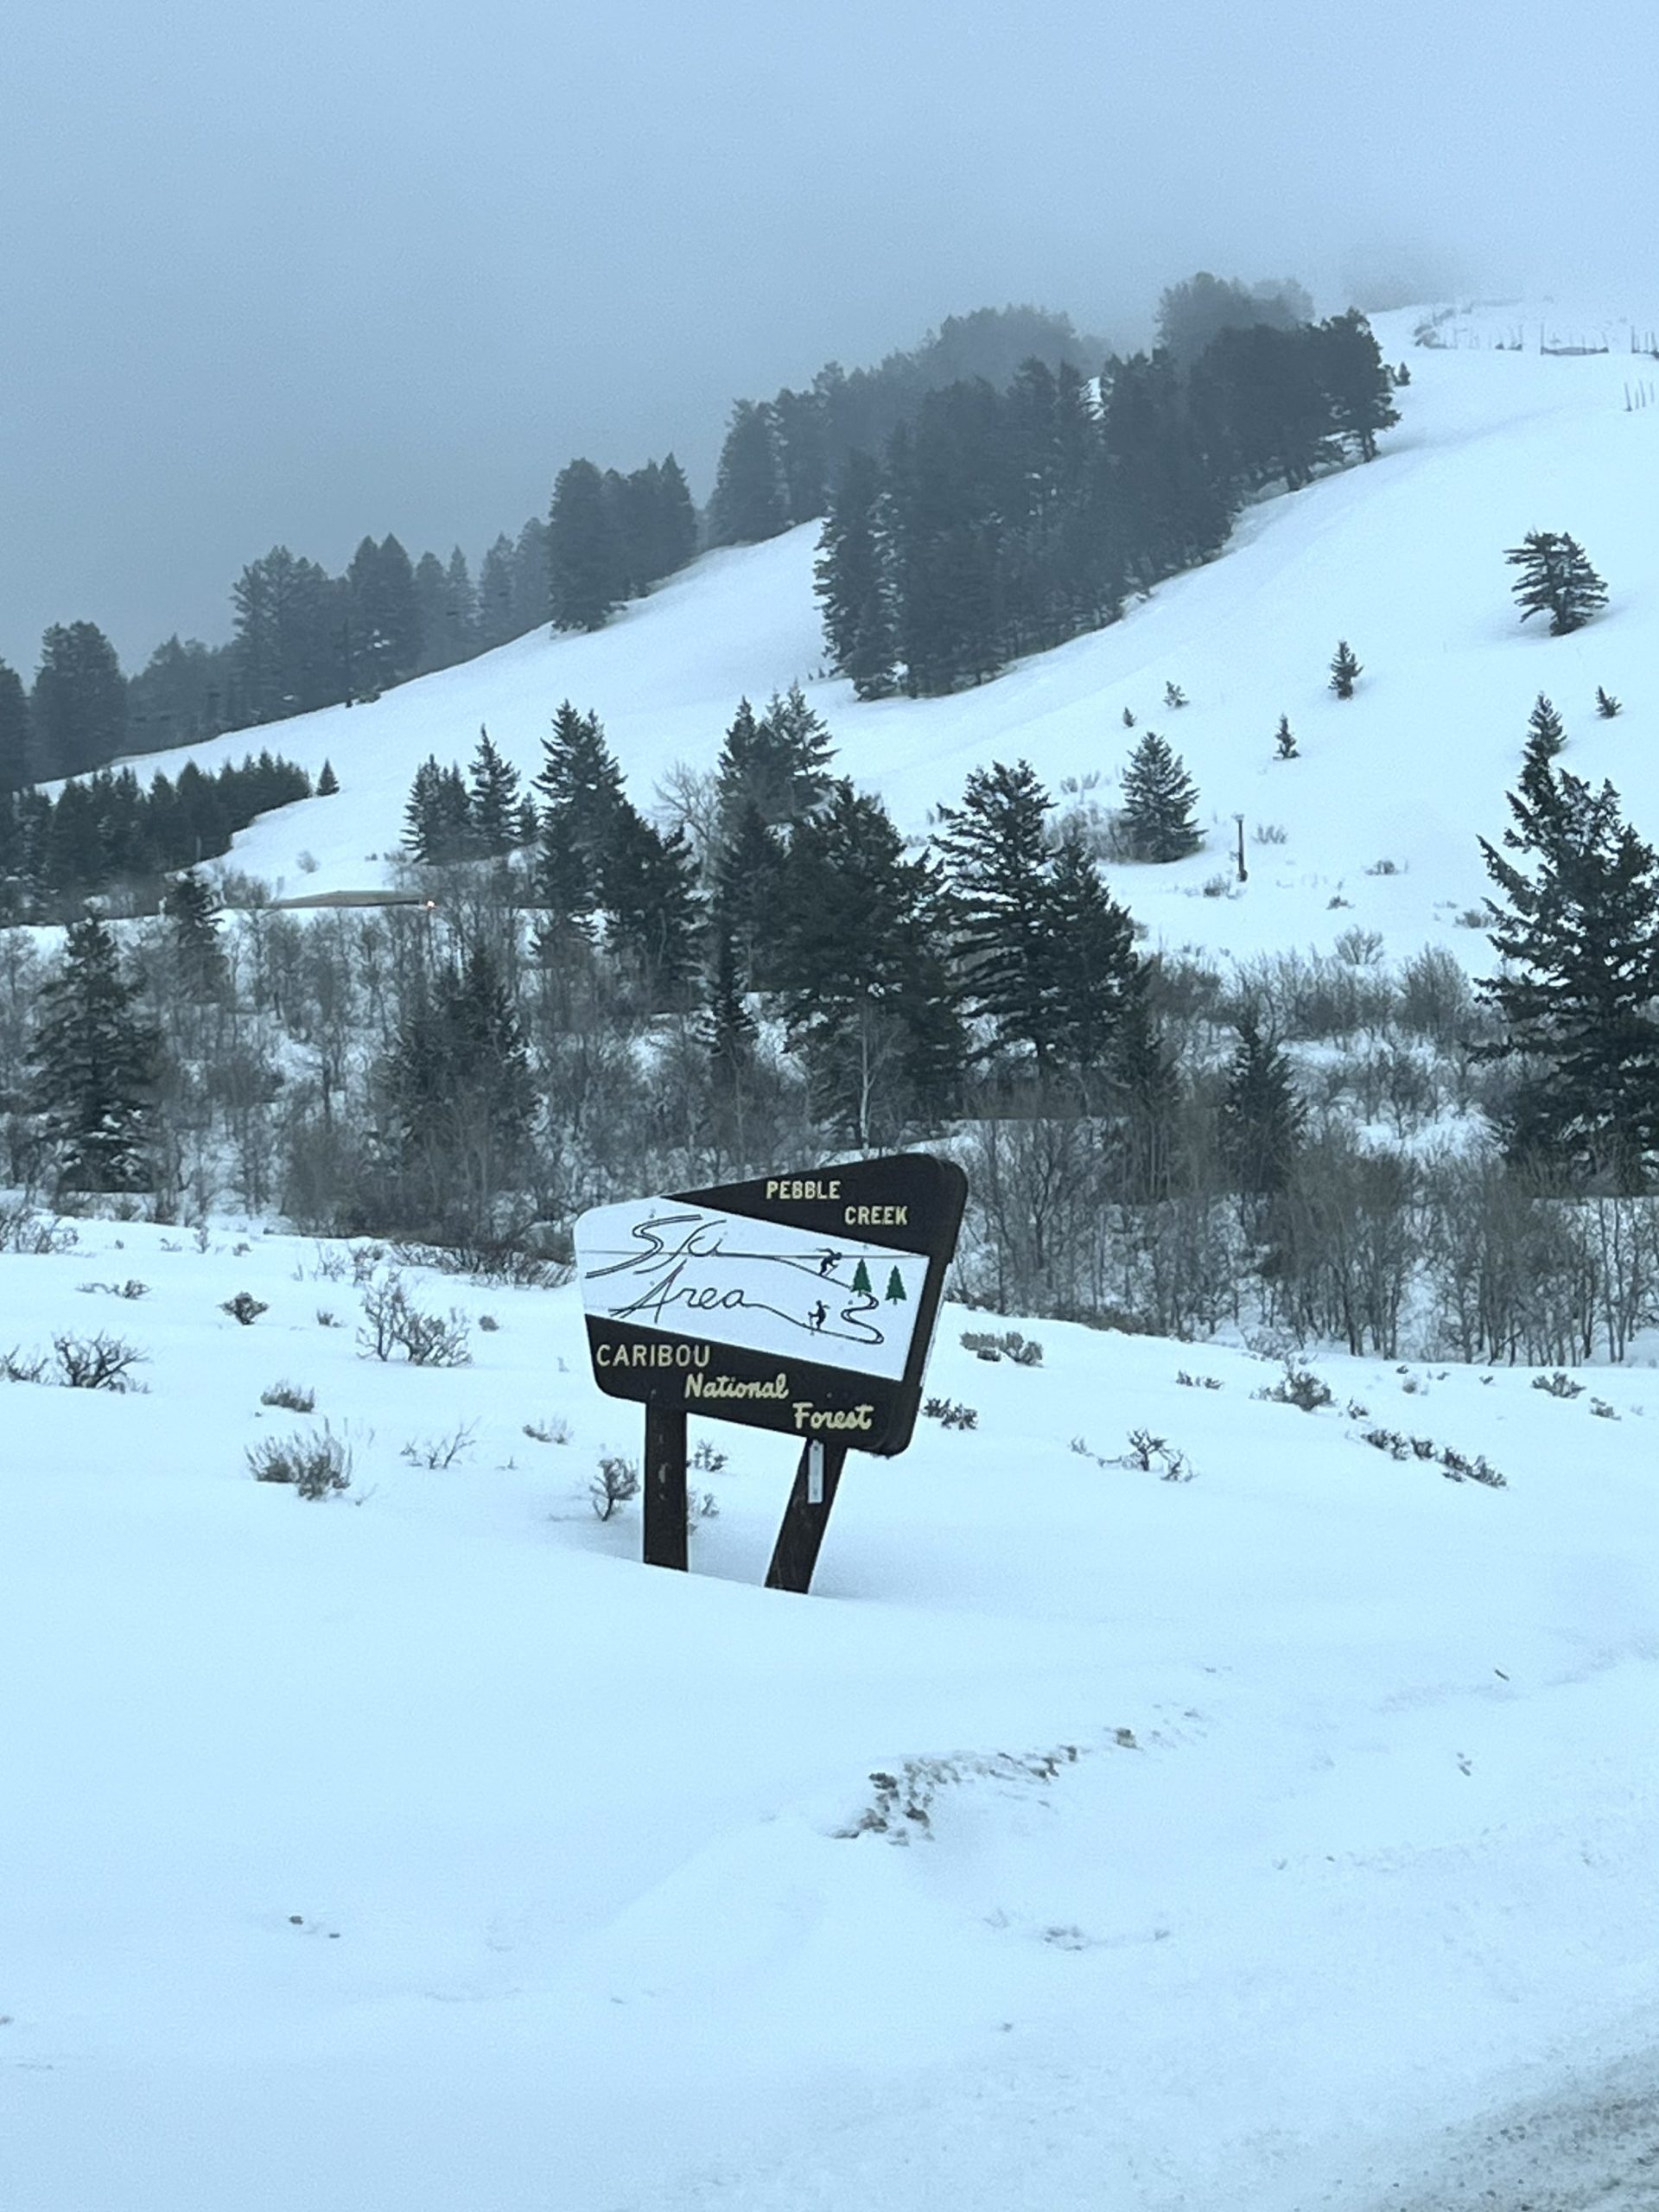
(318, 1466)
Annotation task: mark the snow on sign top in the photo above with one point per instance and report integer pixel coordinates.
(802, 1301)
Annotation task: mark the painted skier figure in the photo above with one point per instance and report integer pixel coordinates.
(819, 1314)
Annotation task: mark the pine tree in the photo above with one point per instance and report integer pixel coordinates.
(1159, 799)
(1606, 706)
(1556, 578)
(385, 614)
(1262, 1118)
(14, 732)
(93, 1063)
(1345, 670)
(584, 803)
(327, 782)
(867, 999)
(1001, 875)
(1355, 380)
(79, 707)
(193, 909)
(778, 761)
(852, 582)
(461, 1094)
(748, 505)
(648, 891)
(587, 571)
(1578, 937)
(862, 1281)
(492, 792)
(896, 1292)
(1545, 735)
(458, 629)
(495, 596)
(1097, 978)
(1173, 696)
(1285, 740)
(438, 827)
(728, 1030)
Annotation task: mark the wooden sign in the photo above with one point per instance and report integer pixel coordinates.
(801, 1302)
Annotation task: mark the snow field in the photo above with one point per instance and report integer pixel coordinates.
(410, 1848)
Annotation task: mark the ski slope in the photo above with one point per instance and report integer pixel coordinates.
(1289, 1830)
(1403, 557)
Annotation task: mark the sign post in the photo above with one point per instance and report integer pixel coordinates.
(804, 1303)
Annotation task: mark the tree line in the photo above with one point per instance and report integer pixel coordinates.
(107, 832)
(996, 524)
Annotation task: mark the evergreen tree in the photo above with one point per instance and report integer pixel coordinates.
(431, 590)
(1356, 379)
(461, 1094)
(14, 732)
(778, 761)
(748, 879)
(1606, 706)
(1001, 875)
(385, 615)
(852, 582)
(327, 782)
(495, 596)
(458, 626)
(193, 908)
(1545, 735)
(1578, 937)
(1262, 1118)
(1556, 578)
(493, 796)
(93, 1063)
(1345, 670)
(866, 996)
(438, 816)
(1097, 979)
(676, 534)
(1159, 800)
(1285, 740)
(648, 889)
(587, 575)
(748, 505)
(532, 578)
(728, 1026)
(79, 707)
(293, 645)
(583, 803)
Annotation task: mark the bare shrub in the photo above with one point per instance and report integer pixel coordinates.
(318, 1465)
(950, 1414)
(18, 1366)
(1558, 1384)
(244, 1308)
(393, 1323)
(130, 1289)
(1153, 1453)
(441, 1451)
(99, 1362)
(615, 1485)
(1005, 1344)
(290, 1397)
(34, 1235)
(555, 1429)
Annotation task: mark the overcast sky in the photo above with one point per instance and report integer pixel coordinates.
(302, 270)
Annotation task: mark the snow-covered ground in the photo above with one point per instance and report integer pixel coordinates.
(1284, 1827)
(1404, 558)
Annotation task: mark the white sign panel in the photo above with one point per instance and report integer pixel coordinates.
(760, 1285)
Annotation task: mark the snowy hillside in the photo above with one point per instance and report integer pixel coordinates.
(1257, 1841)
(1403, 557)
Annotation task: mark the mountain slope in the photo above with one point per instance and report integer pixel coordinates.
(1403, 557)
